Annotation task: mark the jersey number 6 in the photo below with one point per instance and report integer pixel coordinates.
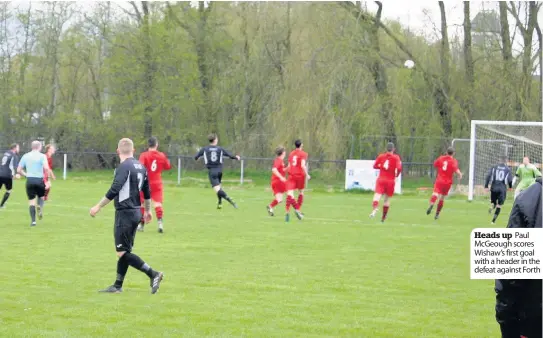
(153, 165)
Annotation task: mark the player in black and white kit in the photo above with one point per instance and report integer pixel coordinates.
(8, 168)
(213, 158)
(498, 177)
(130, 179)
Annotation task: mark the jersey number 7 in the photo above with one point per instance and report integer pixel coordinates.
(140, 181)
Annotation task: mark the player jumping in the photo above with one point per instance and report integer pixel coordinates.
(526, 175)
(446, 166)
(297, 174)
(390, 167)
(50, 150)
(278, 179)
(499, 177)
(155, 162)
(213, 159)
(8, 168)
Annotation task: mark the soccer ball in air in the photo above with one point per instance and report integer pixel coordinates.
(409, 64)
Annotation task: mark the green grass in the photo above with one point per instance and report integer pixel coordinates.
(241, 272)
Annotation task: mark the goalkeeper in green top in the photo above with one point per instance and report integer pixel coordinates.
(526, 175)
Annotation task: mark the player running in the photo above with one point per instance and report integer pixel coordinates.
(8, 168)
(278, 179)
(498, 177)
(130, 179)
(35, 164)
(297, 174)
(213, 159)
(155, 162)
(389, 165)
(50, 150)
(446, 166)
(526, 175)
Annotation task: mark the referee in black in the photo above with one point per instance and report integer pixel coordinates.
(130, 179)
(499, 177)
(518, 301)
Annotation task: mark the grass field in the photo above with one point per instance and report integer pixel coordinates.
(243, 273)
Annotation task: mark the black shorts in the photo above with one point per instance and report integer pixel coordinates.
(498, 196)
(35, 187)
(124, 230)
(215, 177)
(7, 182)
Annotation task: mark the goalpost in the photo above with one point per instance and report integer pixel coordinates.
(512, 139)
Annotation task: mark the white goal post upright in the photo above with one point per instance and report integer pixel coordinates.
(524, 138)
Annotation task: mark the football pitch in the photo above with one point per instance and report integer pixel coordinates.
(242, 272)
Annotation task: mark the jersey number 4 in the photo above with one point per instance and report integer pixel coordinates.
(385, 165)
(153, 166)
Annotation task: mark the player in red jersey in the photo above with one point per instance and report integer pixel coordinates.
(155, 162)
(446, 167)
(278, 179)
(50, 150)
(390, 167)
(297, 174)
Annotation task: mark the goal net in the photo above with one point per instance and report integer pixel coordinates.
(490, 140)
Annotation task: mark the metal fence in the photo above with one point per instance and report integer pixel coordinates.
(327, 171)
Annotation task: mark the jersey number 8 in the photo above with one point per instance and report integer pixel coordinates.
(153, 165)
(213, 156)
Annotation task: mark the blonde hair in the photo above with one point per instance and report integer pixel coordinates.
(126, 146)
(36, 145)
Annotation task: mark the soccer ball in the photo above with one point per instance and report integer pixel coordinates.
(409, 64)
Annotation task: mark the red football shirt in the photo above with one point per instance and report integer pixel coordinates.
(155, 162)
(446, 166)
(50, 162)
(389, 165)
(280, 166)
(295, 162)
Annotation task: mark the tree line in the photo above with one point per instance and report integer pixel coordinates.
(259, 74)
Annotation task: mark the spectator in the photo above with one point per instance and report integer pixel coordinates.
(518, 301)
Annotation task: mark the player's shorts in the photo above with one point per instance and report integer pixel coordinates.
(35, 187)
(157, 192)
(124, 232)
(385, 187)
(215, 177)
(296, 183)
(6, 182)
(498, 196)
(442, 188)
(279, 187)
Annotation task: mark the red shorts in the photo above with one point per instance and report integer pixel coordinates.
(157, 193)
(296, 183)
(385, 187)
(279, 187)
(442, 188)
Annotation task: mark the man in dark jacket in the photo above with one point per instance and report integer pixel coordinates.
(518, 301)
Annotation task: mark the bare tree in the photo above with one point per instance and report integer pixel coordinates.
(442, 91)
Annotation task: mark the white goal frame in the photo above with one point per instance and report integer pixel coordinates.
(474, 124)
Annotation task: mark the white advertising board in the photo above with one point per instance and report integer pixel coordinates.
(359, 174)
